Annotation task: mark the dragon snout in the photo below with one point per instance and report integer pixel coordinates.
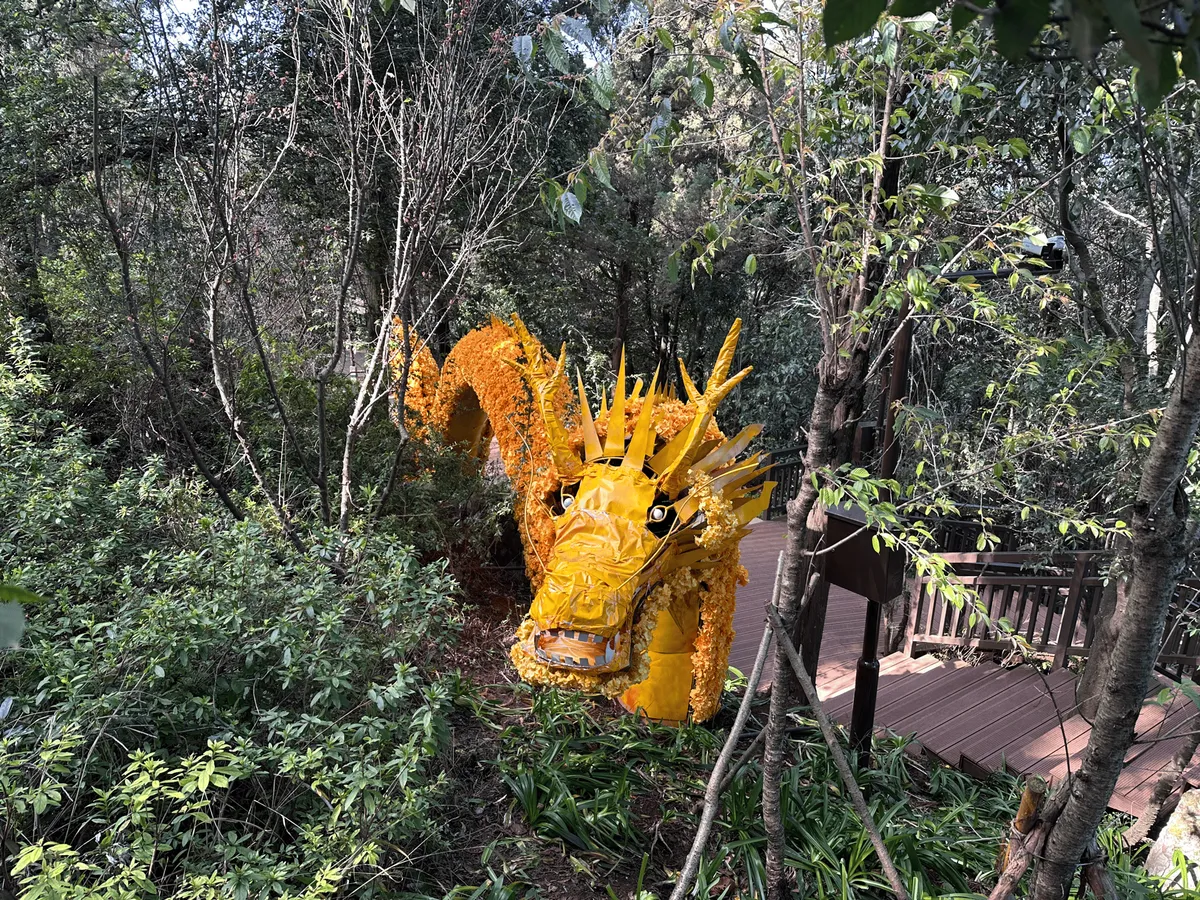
(569, 648)
(586, 628)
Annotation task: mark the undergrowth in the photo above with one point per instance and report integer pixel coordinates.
(606, 806)
(199, 709)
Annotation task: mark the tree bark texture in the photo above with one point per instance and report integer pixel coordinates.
(1159, 544)
(1095, 673)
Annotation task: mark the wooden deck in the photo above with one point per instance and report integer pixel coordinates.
(976, 717)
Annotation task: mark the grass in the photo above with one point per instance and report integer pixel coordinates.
(593, 804)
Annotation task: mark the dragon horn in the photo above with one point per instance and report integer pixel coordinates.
(591, 441)
(614, 441)
(642, 441)
(674, 473)
(544, 388)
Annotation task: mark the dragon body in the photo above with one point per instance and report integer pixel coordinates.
(630, 518)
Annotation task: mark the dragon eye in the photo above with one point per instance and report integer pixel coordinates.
(658, 514)
(567, 501)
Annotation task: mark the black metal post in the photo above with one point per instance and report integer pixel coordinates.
(866, 678)
(866, 689)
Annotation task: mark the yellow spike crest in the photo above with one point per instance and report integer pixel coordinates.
(614, 443)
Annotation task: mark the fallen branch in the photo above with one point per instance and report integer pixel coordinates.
(839, 757)
(1031, 801)
(716, 781)
(1168, 781)
(1024, 848)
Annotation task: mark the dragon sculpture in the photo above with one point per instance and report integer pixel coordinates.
(630, 519)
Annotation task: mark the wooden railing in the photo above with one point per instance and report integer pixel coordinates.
(787, 468)
(1053, 603)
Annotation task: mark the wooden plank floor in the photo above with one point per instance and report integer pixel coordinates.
(976, 717)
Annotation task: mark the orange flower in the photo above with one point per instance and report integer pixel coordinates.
(422, 383)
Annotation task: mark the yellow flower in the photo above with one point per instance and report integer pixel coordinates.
(422, 384)
(710, 660)
(721, 523)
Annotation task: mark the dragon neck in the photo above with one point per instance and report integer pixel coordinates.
(479, 394)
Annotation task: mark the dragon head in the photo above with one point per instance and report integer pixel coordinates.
(648, 489)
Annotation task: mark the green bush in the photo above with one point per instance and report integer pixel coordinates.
(197, 708)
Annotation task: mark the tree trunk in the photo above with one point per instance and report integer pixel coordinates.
(624, 285)
(28, 293)
(621, 312)
(835, 448)
(1095, 673)
(806, 527)
(1160, 539)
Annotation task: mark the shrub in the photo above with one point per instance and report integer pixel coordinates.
(198, 709)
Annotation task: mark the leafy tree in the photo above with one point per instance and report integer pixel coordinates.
(1161, 525)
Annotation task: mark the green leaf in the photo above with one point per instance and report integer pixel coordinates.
(599, 165)
(1081, 139)
(1084, 31)
(1126, 20)
(12, 624)
(580, 187)
(571, 206)
(1190, 62)
(1155, 81)
(750, 67)
(725, 34)
(702, 90)
(522, 45)
(556, 53)
(751, 264)
(910, 9)
(1188, 688)
(664, 38)
(10, 593)
(601, 81)
(673, 268)
(1017, 24)
(962, 16)
(1018, 147)
(577, 29)
(937, 197)
(844, 20)
(409, 5)
(12, 616)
